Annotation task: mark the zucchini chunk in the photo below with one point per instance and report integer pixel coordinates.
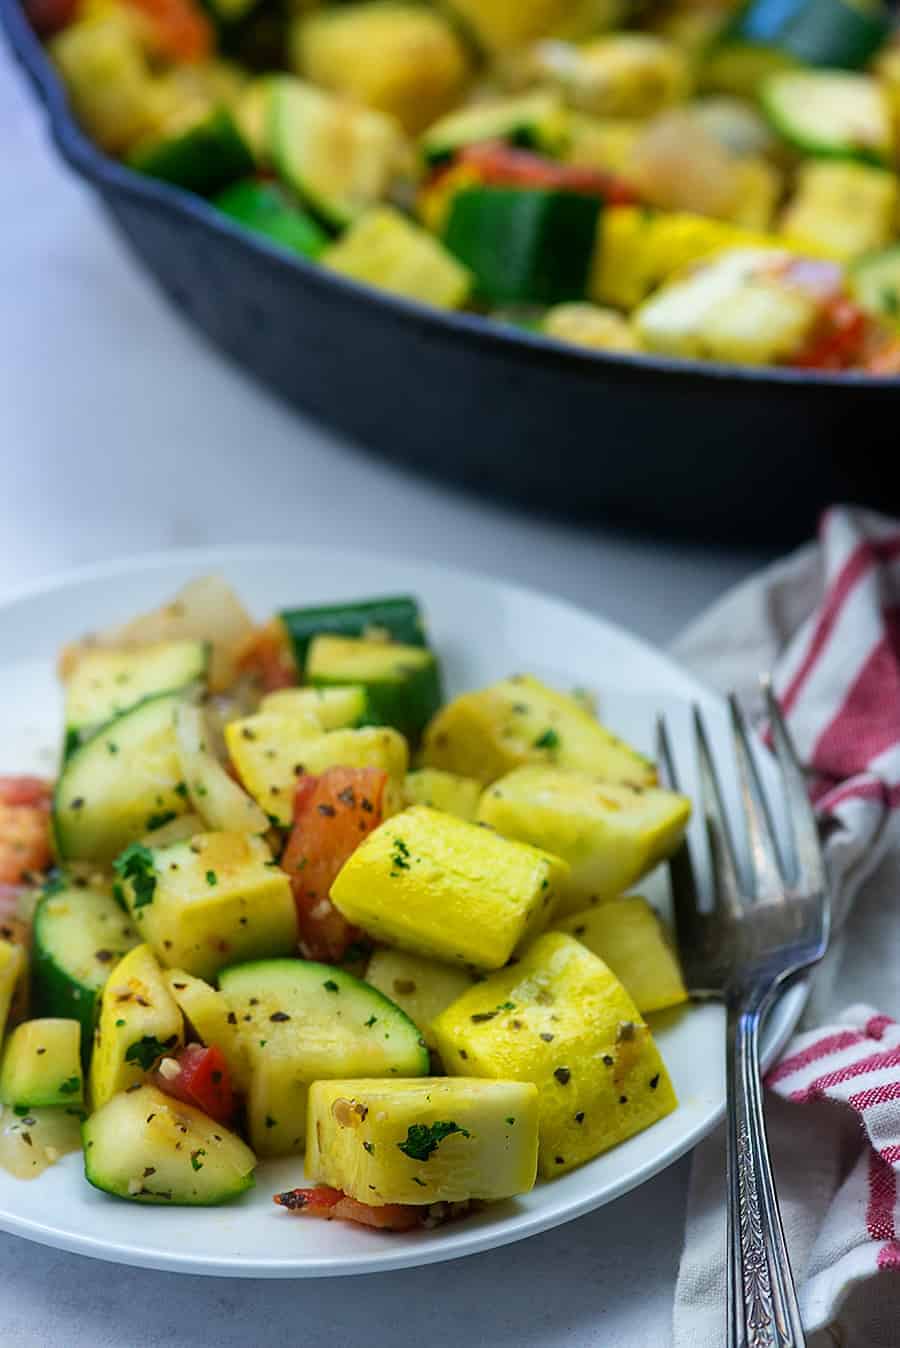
(524, 244)
(304, 1022)
(207, 1012)
(201, 150)
(139, 1022)
(342, 708)
(628, 935)
(42, 1064)
(446, 791)
(121, 782)
(441, 887)
(13, 962)
(610, 835)
(842, 207)
(265, 208)
(561, 1019)
(271, 752)
(520, 720)
(337, 156)
(403, 59)
(147, 1147)
(384, 249)
(428, 1141)
(107, 682)
(402, 683)
(831, 113)
(392, 619)
(536, 121)
(79, 937)
(421, 987)
(875, 281)
(208, 902)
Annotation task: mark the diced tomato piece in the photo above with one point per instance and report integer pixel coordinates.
(838, 339)
(202, 1081)
(25, 791)
(334, 1205)
(24, 828)
(500, 165)
(332, 815)
(177, 29)
(267, 656)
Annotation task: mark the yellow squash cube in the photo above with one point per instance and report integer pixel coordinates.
(215, 900)
(438, 886)
(609, 835)
(520, 720)
(561, 1019)
(139, 1023)
(13, 962)
(445, 791)
(421, 987)
(271, 751)
(424, 1141)
(628, 935)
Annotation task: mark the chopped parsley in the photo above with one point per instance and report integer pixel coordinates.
(196, 1163)
(423, 1139)
(212, 878)
(369, 1147)
(136, 864)
(330, 985)
(373, 1020)
(157, 820)
(70, 1086)
(181, 790)
(510, 1120)
(549, 740)
(400, 859)
(145, 1051)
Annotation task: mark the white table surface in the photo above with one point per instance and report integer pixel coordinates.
(123, 433)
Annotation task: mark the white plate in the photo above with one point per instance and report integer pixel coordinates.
(484, 630)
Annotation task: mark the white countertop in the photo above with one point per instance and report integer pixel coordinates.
(121, 433)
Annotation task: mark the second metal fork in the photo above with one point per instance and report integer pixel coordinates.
(769, 920)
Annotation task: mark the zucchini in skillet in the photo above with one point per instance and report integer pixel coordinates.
(265, 208)
(338, 157)
(200, 149)
(303, 1022)
(536, 121)
(843, 207)
(146, 1146)
(875, 280)
(831, 113)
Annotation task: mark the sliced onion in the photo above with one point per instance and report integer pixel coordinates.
(220, 801)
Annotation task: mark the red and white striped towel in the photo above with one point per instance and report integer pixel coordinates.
(827, 622)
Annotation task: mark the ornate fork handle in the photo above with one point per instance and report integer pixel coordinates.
(762, 1300)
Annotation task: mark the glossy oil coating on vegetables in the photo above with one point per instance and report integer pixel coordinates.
(240, 928)
(597, 171)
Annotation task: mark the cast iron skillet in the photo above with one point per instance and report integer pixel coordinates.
(703, 449)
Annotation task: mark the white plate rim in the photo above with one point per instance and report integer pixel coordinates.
(785, 1013)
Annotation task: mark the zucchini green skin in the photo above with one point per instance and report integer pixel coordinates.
(407, 702)
(875, 282)
(265, 209)
(400, 617)
(145, 1146)
(791, 116)
(204, 158)
(60, 986)
(524, 245)
(832, 33)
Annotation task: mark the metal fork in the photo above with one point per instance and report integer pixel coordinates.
(769, 920)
